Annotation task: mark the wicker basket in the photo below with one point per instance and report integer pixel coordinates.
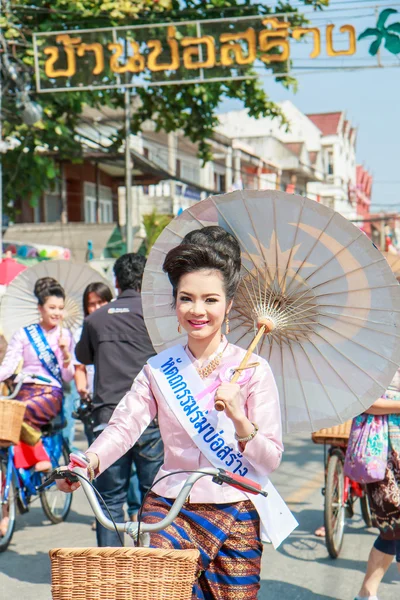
(122, 573)
(334, 436)
(11, 417)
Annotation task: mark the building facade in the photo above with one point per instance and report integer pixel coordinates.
(338, 147)
(311, 155)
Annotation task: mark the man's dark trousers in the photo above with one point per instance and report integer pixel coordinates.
(113, 484)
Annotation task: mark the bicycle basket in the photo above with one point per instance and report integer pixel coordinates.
(333, 436)
(122, 573)
(11, 417)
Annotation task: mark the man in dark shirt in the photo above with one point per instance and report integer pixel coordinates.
(115, 340)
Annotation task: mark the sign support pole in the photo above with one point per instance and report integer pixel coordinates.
(128, 173)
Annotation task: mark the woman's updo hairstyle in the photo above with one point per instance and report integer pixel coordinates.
(46, 287)
(210, 248)
(43, 283)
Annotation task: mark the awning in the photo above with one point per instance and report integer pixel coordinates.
(74, 236)
(144, 171)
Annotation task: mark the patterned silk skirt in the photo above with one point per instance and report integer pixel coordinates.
(228, 539)
(384, 496)
(43, 403)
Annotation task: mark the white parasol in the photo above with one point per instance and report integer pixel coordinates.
(19, 305)
(329, 295)
(394, 262)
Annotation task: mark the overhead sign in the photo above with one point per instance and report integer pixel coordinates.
(206, 51)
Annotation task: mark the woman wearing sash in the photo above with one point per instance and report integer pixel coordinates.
(220, 521)
(44, 349)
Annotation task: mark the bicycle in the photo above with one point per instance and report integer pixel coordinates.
(131, 573)
(340, 492)
(18, 487)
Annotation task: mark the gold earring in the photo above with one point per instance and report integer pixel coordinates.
(227, 328)
(179, 328)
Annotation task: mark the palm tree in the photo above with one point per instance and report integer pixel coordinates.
(154, 224)
(391, 34)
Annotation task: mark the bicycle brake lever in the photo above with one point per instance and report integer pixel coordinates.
(57, 474)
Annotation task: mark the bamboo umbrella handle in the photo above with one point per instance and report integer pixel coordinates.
(265, 328)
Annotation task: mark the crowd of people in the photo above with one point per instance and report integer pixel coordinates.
(136, 432)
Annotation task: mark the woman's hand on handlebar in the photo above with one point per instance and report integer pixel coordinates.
(66, 486)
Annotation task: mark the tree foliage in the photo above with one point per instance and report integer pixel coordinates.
(31, 167)
(154, 225)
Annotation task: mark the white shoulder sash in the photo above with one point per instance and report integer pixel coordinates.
(213, 433)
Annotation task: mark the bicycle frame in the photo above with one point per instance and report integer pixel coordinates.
(27, 481)
(352, 486)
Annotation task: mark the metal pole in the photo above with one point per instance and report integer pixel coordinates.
(383, 227)
(128, 173)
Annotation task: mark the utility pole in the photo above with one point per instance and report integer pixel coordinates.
(128, 173)
(382, 242)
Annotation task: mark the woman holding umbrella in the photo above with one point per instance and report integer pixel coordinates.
(220, 521)
(45, 349)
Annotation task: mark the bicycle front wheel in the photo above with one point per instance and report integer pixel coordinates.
(7, 508)
(56, 504)
(334, 506)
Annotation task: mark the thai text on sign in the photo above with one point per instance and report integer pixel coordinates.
(185, 52)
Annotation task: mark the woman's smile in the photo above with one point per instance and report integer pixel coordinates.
(196, 324)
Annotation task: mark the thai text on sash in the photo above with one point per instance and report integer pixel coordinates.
(213, 433)
(43, 350)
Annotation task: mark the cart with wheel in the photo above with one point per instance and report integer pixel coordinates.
(339, 491)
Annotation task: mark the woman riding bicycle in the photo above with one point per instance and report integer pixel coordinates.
(218, 520)
(45, 349)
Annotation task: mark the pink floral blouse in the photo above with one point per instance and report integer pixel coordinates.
(144, 401)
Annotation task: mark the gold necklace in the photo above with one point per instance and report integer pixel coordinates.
(205, 372)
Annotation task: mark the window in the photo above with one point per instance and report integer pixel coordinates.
(146, 152)
(52, 205)
(329, 162)
(219, 182)
(105, 203)
(178, 168)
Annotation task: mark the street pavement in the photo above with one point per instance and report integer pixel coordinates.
(300, 570)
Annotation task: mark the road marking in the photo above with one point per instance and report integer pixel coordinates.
(307, 489)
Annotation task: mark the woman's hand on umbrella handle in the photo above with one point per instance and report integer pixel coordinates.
(228, 395)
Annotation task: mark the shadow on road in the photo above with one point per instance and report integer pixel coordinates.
(32, 568)
(303, 546)
(280, 589)
(36, 518)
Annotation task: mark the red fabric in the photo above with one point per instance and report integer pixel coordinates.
(9, 269)
(26, 456)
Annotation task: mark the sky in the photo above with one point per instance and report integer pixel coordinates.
(371, 100)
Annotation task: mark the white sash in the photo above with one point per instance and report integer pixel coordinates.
(213, 433)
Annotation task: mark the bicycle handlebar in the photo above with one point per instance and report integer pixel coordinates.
(219, 476)
(22, 377)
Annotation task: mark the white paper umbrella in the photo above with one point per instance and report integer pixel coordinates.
(331, 295)
(19, 305)
(394, 263)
